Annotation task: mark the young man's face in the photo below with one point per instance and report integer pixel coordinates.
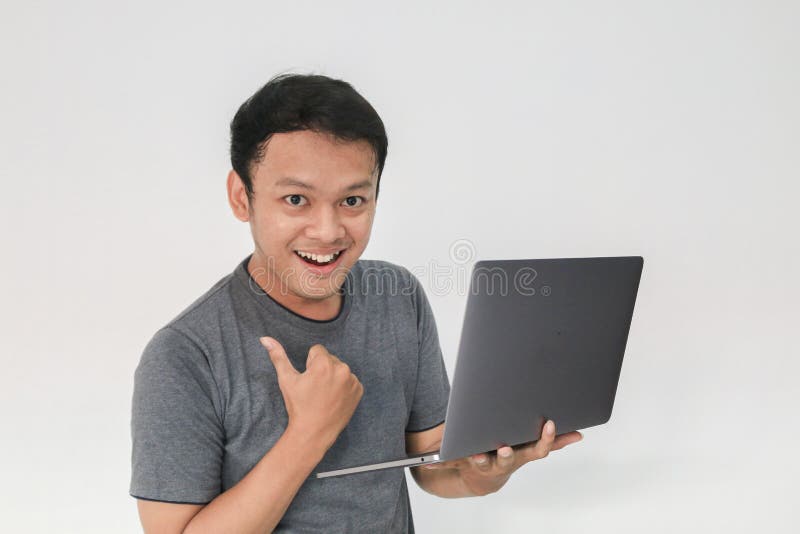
(311, 195)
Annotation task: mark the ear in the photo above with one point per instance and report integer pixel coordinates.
(237, 197)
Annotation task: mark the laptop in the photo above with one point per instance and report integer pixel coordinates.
(541, 339)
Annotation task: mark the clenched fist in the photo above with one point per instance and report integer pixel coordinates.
(321, 400)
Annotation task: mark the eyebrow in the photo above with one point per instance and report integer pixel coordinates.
(294, 182)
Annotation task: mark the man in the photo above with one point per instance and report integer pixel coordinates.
(305, 358)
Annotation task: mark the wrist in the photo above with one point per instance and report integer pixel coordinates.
(306, 442)
(465, 489)
(481, 486)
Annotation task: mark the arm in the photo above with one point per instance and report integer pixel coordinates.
(479, 474)
(159, 517)
(319, 402)
(441, 482)
(257, 503)
(476, 475)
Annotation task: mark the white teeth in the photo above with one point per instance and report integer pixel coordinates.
(319, 258)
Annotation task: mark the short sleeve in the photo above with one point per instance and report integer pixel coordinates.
(429, 407)
(177, 433)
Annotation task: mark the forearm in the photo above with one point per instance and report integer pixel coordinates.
(257, 503)
(445, 483)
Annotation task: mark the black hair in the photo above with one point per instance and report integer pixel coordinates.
(292, 102)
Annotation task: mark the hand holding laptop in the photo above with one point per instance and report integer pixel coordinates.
(488, 472)
(543, 340)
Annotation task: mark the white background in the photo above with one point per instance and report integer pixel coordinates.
(532, 129)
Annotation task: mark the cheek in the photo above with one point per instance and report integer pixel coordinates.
(359, 227)
(277, 229)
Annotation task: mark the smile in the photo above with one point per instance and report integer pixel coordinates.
(318, 259)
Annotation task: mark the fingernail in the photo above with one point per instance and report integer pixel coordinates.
(267, 342)
(481, 460)
(505, 453)
(550, 427)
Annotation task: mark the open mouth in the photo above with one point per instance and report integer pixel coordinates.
(318, 260)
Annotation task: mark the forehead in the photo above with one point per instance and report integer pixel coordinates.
(316, 158)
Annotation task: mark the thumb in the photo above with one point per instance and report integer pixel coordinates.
(278, 356)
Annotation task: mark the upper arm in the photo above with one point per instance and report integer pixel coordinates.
(426, 441)
(165, 517)
(178, 439)
(428, 406)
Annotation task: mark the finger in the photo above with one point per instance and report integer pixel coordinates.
(542, 447)
(451, 464)
(439, 465)
(278, 357)
(566, 439)
(313, 352)
(547, 439)
(481, 462)
(320, 353)
(432, 467)
(505, 458)
(529, 451)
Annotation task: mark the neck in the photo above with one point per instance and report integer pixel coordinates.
(323, 309)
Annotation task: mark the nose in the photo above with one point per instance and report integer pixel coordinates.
(325, 225)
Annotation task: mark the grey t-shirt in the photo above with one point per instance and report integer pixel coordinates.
(207, 406)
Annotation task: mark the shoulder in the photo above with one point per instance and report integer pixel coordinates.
(218, 296)
(187, 333)
(171, 350)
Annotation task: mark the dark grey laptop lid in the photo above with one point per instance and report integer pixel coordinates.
(542, 339)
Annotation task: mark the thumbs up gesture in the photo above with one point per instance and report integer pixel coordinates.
(321, 400)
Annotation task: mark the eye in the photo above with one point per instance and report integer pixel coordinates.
(295, 200)
(353, 202)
